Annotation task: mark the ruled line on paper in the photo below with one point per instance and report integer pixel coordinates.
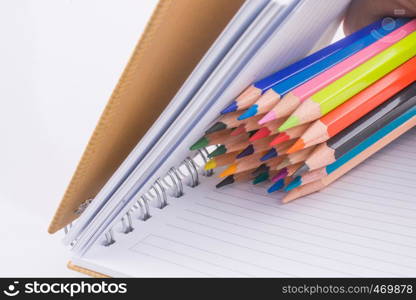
(187, 255)
(319, 246)
(258, 250)
(311, 224)
(375, 220)
(291, 229)
(303, 252)
(220, 255)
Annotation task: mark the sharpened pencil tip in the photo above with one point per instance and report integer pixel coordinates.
(246, 152)
(283, 164)
(281, 175)
(212, 164)
(230, 108)
(280, 138)
(261, 133)
(291, 122)
(239, 130)
(220, 150)
(260, 169)
(229, 171)
(271, 154)
(302, 170)
(228, 180)
(201, 143)
(294, 184)
(297, 146)
(216, 127)
(292, 195)
(270, 116)
(276, 186)
(260, 178)
(250, 112)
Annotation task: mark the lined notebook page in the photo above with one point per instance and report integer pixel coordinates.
(362, 225)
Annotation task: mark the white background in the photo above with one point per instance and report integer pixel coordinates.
(59, 61)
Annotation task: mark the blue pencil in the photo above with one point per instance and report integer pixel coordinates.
(278, 90)
(252, 93)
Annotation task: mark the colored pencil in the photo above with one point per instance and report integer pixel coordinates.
(376, 141)
(228, 121)
(264, 176)
(333, 95)
(267, 130)
(277, 150)
(221, 160)
(271, 128)
(319, 184)
(250, 125)
(268, 165)
(253, 92)
(256, 147)
(295, 158)
(328, 152)
(286, 172)
(293, 99)
(236, 144)
(289, 134)
(243, 165)
(362, 103)
(266, 102)
(278, 185)
(243, 176)
(213, 139)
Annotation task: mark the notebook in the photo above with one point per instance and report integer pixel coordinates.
(248, 60)
(362, 225)
(140, 224)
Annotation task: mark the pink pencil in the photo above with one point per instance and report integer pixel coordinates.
(293, 99)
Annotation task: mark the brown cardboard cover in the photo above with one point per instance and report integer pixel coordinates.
(175, 39)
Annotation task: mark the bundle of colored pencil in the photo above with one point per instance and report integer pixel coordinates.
(310, 123)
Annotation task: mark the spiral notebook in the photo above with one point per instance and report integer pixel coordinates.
(158, 215)
(362, 225)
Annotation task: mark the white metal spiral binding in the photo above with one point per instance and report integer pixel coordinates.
(143, 205)
(160, 192)
(204, 155)
(109, 238)
(176, 181)
(193, 171)
(127, 223)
